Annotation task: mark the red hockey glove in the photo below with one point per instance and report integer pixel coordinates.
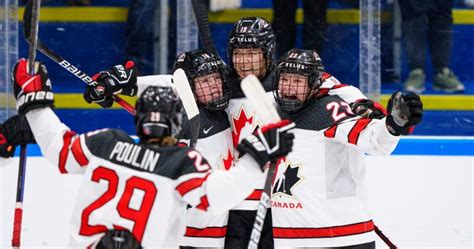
(367, 108)
(269, 143)
(14, 131)
(405, 111)
(31, 92)
(120, 79)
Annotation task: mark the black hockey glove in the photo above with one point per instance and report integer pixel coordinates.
(31, 92)
(120, 79)
(14, 131)
(269, 143)
(405, 111)
(367, 108)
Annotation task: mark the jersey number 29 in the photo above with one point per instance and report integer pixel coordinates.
(139, 217)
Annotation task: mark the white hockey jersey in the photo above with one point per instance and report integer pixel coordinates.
(204, 229)
(319, 195)
(244, 121)
(141, 188)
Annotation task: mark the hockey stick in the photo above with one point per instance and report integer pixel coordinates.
(189, 103)
(32, 37)
(64, 63)
(254, 91)
(202, 20)
(384, 238)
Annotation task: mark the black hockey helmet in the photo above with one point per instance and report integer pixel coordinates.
(198, 63)
(118, 239)
(159, 114)
(252, 32)
(301, 62)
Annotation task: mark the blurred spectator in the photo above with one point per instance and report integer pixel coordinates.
(433, 20)
(469, 3)
(314, 25)
(139, 34)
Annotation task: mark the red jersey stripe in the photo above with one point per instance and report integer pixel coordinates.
(360, 125)
(339, 86)
(323, 232)
(65, 151)
(190, 184)
(325, 76)
(78, 153)
(255, 195)
(207, 232)
(204, 203)
(331, 132)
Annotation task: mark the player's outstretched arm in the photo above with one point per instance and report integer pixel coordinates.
(380, 137)
(219, 190)
(120, 79)
(35, 100)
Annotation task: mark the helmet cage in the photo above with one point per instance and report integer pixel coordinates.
(199, 63)
(311, 70)
(252, 32)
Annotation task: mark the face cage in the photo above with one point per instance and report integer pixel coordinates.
(219, 103)
(294, 105)
(260, 44)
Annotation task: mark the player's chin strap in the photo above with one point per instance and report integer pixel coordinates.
(384, 238)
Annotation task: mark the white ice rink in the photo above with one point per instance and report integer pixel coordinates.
(417, 201)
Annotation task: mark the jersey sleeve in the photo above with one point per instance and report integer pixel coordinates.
(61, 146)
(217, 191)
(333, 86)
(369, 135)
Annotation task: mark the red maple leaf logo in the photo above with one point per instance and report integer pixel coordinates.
(228, 161)
(239, 123)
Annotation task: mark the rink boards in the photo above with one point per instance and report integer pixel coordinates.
(422, 196)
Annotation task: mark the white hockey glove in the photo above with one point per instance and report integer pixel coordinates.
(269, 143)
(405, 111)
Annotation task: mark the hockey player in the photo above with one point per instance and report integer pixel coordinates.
(13, 132)
(141, 187)
(207, 75)
(319, 196)
(251, 48)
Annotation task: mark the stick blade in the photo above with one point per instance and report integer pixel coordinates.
(254, 91)
(185, 93)
(189, 103)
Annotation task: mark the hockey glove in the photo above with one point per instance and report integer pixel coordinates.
(31, 92)
(367, 108)
(120, 79)
(13, 132)
(269, 143)
(405, 111)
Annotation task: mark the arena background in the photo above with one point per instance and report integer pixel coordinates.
(423, 196)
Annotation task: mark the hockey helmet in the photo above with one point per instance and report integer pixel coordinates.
(159, 113)
(118, 239)
(198, 63)
(301, 62)
(252, 32)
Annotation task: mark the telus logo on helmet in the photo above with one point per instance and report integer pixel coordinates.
(293, 65)
(247, 39)
(81, 75)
